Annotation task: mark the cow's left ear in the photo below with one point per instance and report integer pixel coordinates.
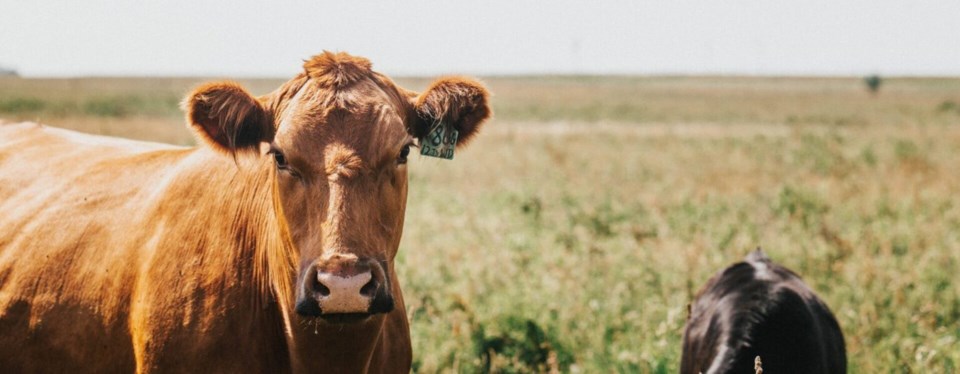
(454, 101)
(225, 116)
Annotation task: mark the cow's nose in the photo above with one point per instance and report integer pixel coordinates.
(345, 292)
(343, 284)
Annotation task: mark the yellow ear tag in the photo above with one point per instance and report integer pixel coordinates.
(440, 142)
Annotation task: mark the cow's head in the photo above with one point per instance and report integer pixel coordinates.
(339, 137)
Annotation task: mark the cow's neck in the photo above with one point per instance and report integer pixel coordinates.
(261, 234)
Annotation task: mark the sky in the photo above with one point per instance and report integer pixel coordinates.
(500, 37)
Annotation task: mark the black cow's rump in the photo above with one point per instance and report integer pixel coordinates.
(758, 308)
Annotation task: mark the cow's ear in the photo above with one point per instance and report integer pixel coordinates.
(225, 116)
(454, 101)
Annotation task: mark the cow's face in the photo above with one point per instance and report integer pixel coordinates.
(339, 138)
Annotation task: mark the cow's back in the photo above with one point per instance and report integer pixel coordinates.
(758, 308)
(68, 253)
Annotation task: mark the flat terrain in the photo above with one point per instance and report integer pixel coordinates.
(575, 230)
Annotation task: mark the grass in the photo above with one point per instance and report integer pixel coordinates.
(602, 240)
(572, 234)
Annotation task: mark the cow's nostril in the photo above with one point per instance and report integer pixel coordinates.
(321, 289)
(369, 289)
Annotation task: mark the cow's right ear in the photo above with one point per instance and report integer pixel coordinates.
(226, 117)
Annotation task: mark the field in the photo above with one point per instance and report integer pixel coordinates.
(575, 230)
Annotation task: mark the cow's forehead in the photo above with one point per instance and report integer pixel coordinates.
(340, 100)
(365, 117)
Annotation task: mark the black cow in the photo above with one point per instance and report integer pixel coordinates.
(757, 308)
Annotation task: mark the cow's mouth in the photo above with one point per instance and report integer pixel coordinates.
(345, 318)
(309, 307)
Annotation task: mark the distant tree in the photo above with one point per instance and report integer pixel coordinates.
(8, 72)
(873, 83)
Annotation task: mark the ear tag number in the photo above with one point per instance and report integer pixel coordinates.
(440, 142)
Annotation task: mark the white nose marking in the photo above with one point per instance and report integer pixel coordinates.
(344, 296)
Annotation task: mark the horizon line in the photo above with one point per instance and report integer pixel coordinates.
(505, 75)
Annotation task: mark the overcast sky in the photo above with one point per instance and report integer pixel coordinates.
(271, 38)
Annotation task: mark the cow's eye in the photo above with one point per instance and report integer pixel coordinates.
(280, 160)
(402, 158)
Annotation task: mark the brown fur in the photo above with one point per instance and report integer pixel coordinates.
(458, 101)
(227, 117)
(126, 256)
(337, 70)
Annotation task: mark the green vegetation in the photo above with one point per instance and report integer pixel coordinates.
(600, 241)
(95, 97)
(120, 106)
(873, 83)
(574, 231)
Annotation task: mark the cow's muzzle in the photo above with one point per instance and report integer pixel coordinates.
(343, 288)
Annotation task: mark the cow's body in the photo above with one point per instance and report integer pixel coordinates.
(121, 256)
(757, 308)
(104, 240)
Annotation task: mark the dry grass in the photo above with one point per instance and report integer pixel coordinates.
(574, 231)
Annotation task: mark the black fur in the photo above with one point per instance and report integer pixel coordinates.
(758, 308)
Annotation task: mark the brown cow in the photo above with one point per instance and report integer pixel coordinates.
(269, 248)
(757, 308)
